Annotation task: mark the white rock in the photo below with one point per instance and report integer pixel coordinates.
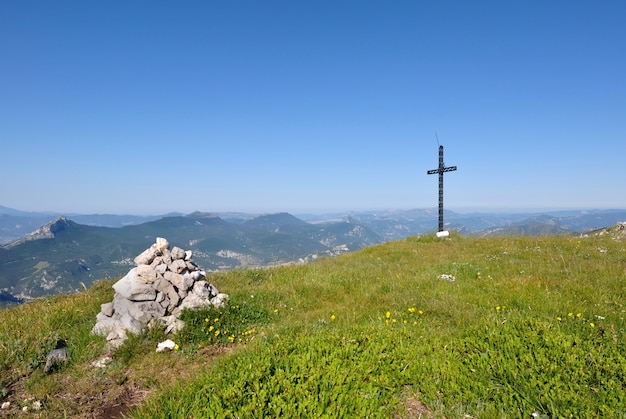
(175, 279)
(102, 362)
(162, 245)
(220, 300)
(133, 288)
(147, 256)
(172, 324)
(161, 268)
(104, 324)
(188, 282)
(6, 405)
(195, 275)
(202, 289)
(167, 257)
(168, 344)
(129, 323)
(146, 273)
(192, 301)
(117, 334)
(145, 310)
(107, 309)
(177, 265)
(177, 253)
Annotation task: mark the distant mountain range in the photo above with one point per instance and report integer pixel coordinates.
(396, 225)
(46, 253)
(15, 224)
(64, 256)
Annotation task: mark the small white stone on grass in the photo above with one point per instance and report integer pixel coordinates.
(168, 344)
(102, 362)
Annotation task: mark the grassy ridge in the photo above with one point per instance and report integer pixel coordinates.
(528, 325)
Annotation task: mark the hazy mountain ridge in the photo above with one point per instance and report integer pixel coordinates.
(64, 256)
(15, 224)
(389, 224)
(396, 225)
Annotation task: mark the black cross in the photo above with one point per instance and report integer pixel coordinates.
(441, 170)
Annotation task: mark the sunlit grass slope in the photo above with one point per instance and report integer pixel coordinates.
(527, 325)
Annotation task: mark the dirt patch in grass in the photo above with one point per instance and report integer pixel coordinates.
(97, 393)
(413, 407)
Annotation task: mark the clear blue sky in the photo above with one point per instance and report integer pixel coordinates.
(147, 107)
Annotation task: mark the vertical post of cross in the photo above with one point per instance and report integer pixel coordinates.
(440, 171)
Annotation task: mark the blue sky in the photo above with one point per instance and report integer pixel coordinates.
(148, 107)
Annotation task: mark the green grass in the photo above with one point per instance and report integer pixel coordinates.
(530, 324)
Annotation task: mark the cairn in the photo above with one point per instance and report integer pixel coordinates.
(155, 292)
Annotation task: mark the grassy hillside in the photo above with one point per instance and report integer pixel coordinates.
(527, 325)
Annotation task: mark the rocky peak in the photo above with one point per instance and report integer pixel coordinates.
(47, 231)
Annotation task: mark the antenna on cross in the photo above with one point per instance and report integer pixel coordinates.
(440, 171)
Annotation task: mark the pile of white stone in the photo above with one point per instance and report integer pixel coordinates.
(154, 293)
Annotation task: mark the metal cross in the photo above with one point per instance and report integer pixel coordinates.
(441, 170)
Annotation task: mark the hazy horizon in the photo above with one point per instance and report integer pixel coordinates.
(326, 211)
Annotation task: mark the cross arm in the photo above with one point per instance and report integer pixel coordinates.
(445, 169)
